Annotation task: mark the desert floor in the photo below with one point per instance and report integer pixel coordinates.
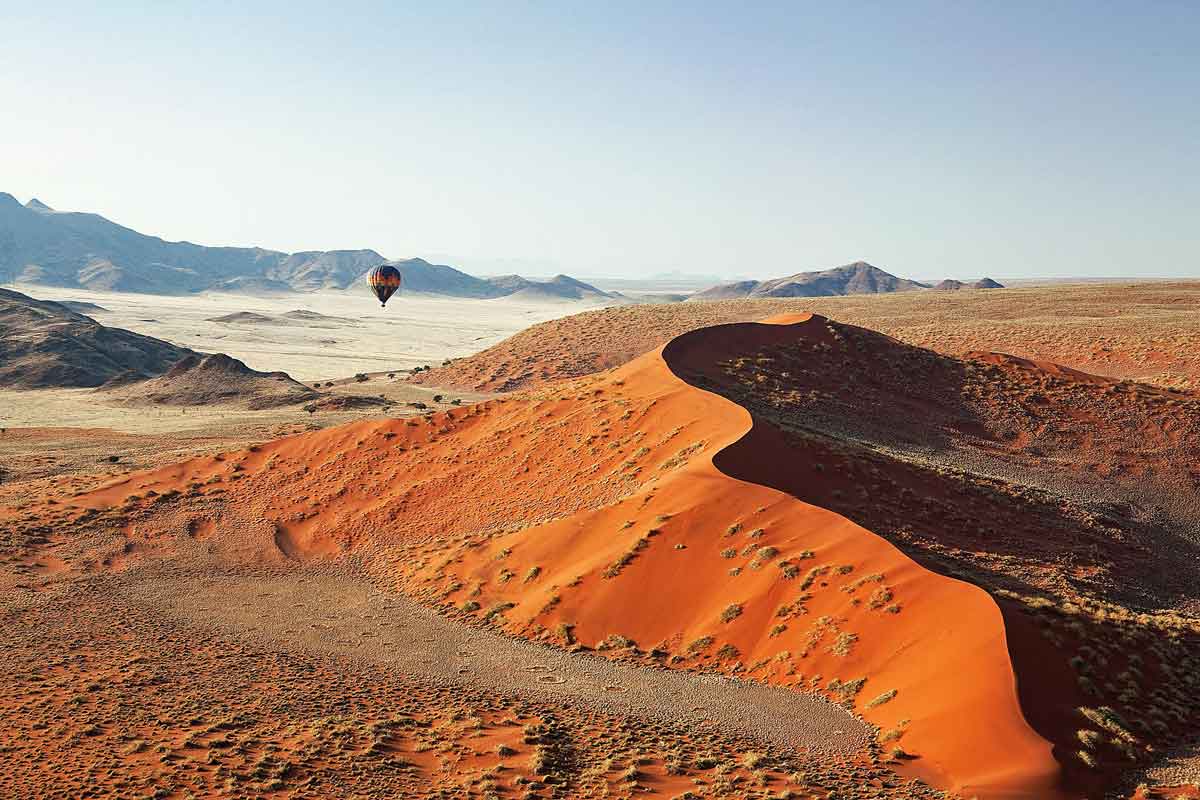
(360, 336)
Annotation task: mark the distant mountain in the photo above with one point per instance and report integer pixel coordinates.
(44, 344)
(857, 278)
(728, 291)
(40, 245)
(43, 246)
(250, 285)
(950, 285)
(561, 287)
(419, 275)
(333, 269)
(422, 277)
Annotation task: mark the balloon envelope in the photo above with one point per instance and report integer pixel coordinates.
(384, 280)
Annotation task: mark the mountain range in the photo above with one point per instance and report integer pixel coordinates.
(42, 246)
(857, 278)
(39, 245)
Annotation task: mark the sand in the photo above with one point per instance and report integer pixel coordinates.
(395, 493)
(766, 502)
(352, 618)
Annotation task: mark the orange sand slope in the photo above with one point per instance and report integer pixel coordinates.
(592, 514)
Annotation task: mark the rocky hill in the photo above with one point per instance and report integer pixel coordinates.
(44, 344)
(215, 378)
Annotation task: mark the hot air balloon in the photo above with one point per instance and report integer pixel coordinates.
(384, 280)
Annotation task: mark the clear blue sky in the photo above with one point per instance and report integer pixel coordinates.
(932, 139)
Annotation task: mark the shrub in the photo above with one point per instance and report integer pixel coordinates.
(498, 611)
(731, 612)
(880, 597)
(614, 569)
(615, 641)
(727, 651)
(843, 645)
(764, 555)
(883, 698)
(812, 576)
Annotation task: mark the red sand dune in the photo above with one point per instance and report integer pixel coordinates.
(633, 507)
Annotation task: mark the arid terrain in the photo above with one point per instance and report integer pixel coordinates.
(926, 544)
(319, 335)
(1141, 331)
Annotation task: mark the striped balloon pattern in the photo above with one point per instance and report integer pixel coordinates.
(385, 281)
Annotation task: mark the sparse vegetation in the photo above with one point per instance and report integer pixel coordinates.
(614, 569)
(881, 699)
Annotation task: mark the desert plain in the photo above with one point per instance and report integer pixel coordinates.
(906, 545)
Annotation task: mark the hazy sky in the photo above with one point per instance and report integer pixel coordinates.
(932, 139)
